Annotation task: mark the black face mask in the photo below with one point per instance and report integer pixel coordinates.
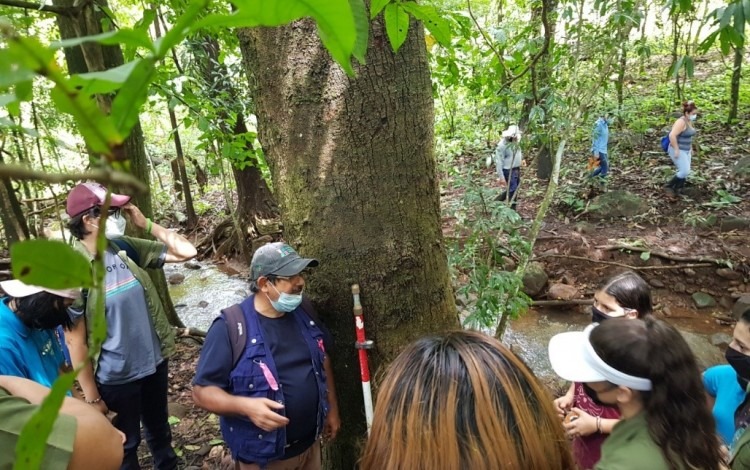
(597, 316)
(741, 364)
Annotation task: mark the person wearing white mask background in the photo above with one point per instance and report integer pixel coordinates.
(129, 376)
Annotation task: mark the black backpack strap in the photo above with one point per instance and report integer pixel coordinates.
(128, 249)
(237, 330)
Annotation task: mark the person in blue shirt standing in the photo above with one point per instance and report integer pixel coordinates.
(599, 141)
(723, 386)
(30, 346)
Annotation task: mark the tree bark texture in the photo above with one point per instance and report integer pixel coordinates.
(94, 58)
(353, 166)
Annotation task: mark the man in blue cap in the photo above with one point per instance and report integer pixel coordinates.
(278, 399)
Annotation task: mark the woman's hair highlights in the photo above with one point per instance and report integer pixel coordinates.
(688, 107)
(630, 291)
(463, 401)
(678, 419)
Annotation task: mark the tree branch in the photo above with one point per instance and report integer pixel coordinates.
(58, 10)
(102, 176)
(627, 266)
(662, 254)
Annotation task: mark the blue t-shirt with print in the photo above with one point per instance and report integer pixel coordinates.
(721, 383)
(27, 352)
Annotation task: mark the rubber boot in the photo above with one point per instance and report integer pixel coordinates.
(679, 185)
(670, 187)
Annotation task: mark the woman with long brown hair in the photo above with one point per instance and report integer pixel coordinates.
(647, 370)
(463, 401)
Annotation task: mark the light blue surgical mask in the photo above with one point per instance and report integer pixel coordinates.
(286, 302)
(693, 117)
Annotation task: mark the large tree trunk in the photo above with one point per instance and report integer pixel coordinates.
(93, 58)
(353, 166)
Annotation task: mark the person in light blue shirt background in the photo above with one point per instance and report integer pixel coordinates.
(599, 141)
(723, 387)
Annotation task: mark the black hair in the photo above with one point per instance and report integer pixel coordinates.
(42, 310)
(77, 227)
(630, 291)
(272, 278)
(678, 419)
(745, 316)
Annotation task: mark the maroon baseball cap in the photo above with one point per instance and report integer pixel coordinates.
(87, 195)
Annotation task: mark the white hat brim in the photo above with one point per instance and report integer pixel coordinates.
(18, 289)
(568, 356)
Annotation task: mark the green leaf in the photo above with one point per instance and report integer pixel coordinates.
(32, 442)
(181, 28)
(104, 82)
(215, 442)
(134, 92)
(24, 90)
(646, 255)
(49, 263)
(430, 17)
(95, 127)
(335, 20)
(128, 37)
(674, 70)
(746, 9)
(376, 6)
(172, 420)
(362, 25)
(396, 25)
(726, 15)
(689, 66)
(7, 98)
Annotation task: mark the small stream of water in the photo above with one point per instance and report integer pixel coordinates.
(206, 291)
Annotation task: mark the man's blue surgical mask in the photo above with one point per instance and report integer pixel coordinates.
(286, 302)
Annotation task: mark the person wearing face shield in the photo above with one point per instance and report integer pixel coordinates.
(30, 344)
(508, 161)
(129, 375)
(278, 400)
(588, 421)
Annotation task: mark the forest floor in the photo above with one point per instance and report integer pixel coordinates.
(575, 246)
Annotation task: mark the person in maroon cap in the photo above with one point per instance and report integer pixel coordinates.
(129, 376)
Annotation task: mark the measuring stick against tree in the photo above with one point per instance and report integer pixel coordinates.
(362, 345)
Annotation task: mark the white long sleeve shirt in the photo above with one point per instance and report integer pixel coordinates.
(507, 155)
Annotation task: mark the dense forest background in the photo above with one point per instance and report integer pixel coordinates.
(238, 125)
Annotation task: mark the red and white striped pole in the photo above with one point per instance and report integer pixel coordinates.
(362, 346)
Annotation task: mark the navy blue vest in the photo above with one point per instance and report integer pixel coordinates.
(247, 379)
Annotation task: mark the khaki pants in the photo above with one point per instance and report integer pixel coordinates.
(307, 460)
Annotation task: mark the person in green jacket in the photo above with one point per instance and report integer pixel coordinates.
(646, 368)
(130, 374)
